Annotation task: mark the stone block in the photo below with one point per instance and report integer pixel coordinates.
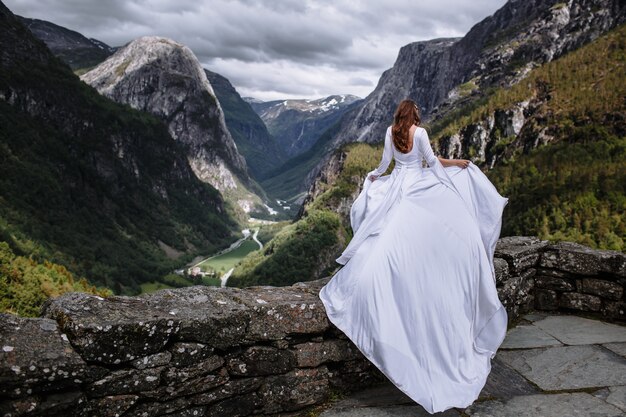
(546, 299)
(295, 389)
(614, 309)
(312, 354)
(59, 404)
(547, 272)
(554, 283)
(179, 385)
(568, 367)
(241, 405)
(158, 408)
(576, 330)
(232, 388)
(577, 301)
(35, 356)
(175, 376)
(355, 374)
(113, 330)
(125, 381)
(189, 353)
(582, 260)
(520, 252)
(276, 312)
(602, 288)
(502, 270)
(152, 361)
(109, 406)
(261, 360)
(209, 315)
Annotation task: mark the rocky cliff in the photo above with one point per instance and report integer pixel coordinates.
(496, 52)
(164, 78)
(445, 75)
(261, 350)
(253, 140)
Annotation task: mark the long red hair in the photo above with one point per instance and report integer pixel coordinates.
(407, 114)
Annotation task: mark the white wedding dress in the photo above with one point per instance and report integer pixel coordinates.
(417, 292)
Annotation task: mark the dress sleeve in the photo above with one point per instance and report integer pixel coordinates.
(387, 155)
(425, 149)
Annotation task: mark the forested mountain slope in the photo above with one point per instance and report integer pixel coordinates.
(254, 142)
(90, 184)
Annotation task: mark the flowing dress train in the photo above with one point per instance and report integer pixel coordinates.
(417, 293)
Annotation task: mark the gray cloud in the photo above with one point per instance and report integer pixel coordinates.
(274, 49)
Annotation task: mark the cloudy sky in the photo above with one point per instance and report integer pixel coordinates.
(274, 49)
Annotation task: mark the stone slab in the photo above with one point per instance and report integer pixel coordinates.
(393, 411)
(568, 367)
(579, 404)
(613, 395)
(617, 397)
(574, 330)
(528, 336)
(380, 395)
(535, 315)
(619, 348)
(504, 382)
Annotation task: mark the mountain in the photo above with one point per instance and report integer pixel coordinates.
(297, 124)
(91, 184)
(556, 144)
(558, 140)
(497, 52)
(447, 75)
(305, 128)
(73, 48)
(162, 77)
(247, 129)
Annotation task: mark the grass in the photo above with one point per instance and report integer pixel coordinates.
(222, 263)
(148, 287)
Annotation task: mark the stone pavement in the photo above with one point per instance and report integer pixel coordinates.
(549, 365)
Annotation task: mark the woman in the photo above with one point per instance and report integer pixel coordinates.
(417, 291)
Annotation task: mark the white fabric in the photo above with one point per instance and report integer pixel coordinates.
(417, 291)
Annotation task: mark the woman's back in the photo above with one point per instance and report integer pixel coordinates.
(413, 156)
(420, 150)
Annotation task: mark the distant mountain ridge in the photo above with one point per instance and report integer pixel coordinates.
(76, 50)
(297, 124)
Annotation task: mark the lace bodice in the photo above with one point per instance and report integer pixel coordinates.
(421, 150)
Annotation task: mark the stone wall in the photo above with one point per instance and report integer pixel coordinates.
(562, 276)
(204, 351)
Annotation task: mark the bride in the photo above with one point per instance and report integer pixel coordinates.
(417, 292)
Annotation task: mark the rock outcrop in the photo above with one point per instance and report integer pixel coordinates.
(253, 140)
(207, 351)
(164, 78)
(327, 178)
(442, 74)
(446, 74)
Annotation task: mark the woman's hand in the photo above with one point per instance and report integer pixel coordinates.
(461, 163)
